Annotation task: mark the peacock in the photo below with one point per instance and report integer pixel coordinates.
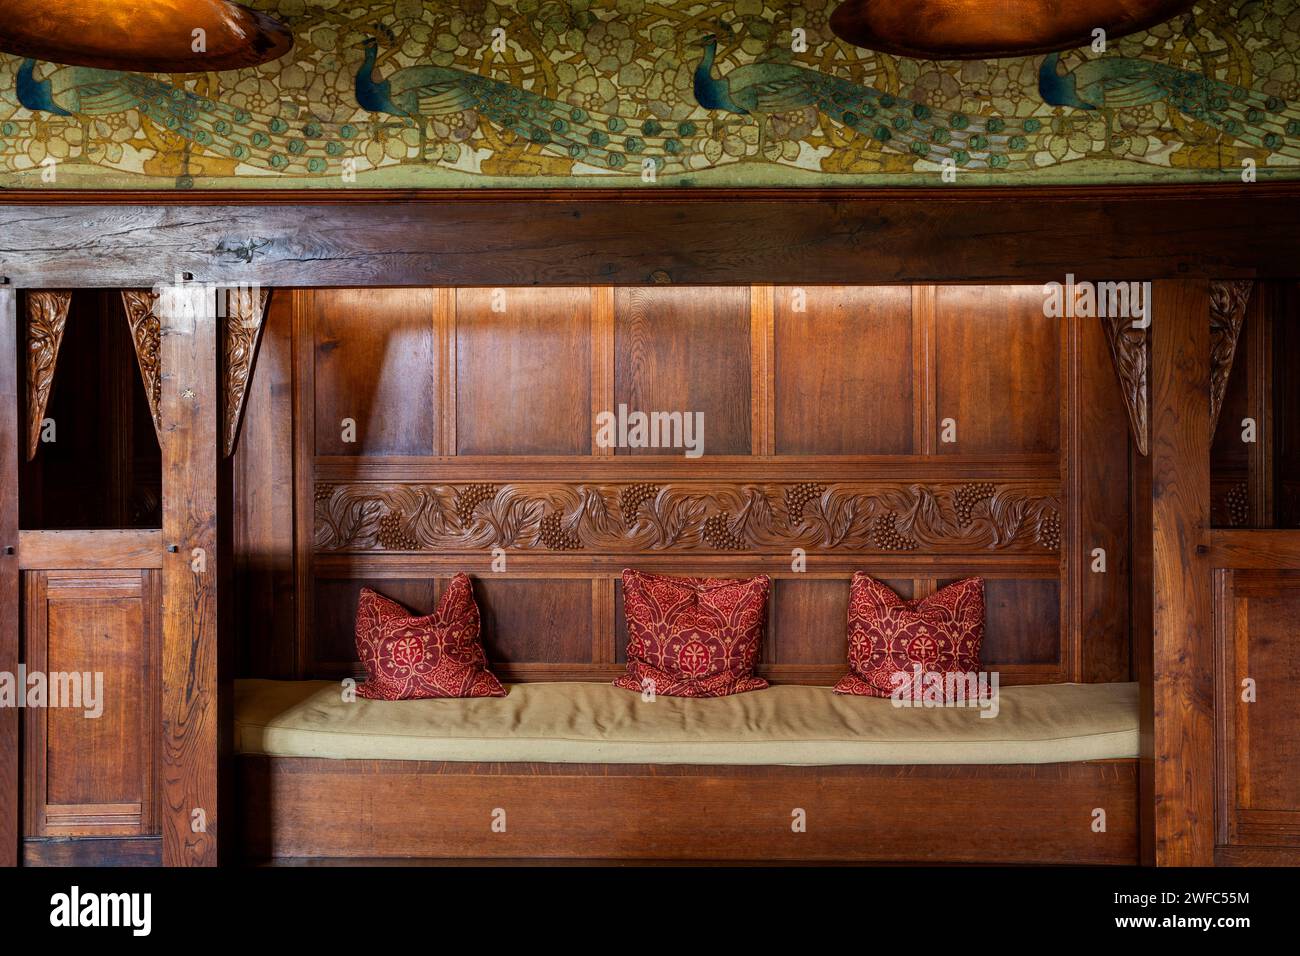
(1119, 82)
(894, 122)
(599, 139)
(243, 135)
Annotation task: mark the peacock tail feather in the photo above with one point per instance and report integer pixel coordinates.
(901, 125)
(587, 136)
(1248, 116)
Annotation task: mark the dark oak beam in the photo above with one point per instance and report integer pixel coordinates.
(9, 605)
(634, 237)
(1182, 632)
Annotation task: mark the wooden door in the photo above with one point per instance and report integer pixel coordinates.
(1257, 619)
(92, 642)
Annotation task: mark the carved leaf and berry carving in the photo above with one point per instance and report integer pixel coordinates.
(47, 318)
(943, 517)
(146, 332)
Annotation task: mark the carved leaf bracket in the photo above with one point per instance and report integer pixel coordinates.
(1130, 351)
(1227, 313)
(146, 333)
(47, 318)
(241, 336)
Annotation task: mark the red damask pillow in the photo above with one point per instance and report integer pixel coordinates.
(438, 655)
(693, 637)
(888, 636)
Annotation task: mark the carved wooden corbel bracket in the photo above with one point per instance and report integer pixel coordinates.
(1228, 300)
(1130, 350)
(146, 333)
(241, 336)
(47, 317)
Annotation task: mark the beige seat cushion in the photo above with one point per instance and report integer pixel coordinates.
(598, 723)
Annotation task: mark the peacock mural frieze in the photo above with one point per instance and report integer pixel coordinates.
(408, 94)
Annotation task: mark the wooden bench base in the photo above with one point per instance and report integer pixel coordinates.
(301, 808)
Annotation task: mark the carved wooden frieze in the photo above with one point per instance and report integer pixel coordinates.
(1131, 353)
(47, 317)
(631, 517)
(245, 314)
(146, 332)
(1227, 313)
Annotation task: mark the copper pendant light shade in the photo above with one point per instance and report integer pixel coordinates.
(987, 29)
(147, 36)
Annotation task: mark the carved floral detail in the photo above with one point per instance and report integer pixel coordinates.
(1017, 516)
(146, 333)
(47, 318)
(1227, 313)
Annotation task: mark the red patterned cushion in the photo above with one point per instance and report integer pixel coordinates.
(438, 655)
(693, 637)
(888, 636)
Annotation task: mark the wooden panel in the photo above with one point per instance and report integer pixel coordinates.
(809, 620)
(1258, 619)
(299, 807)
(1255, 549)
(523, 379)
(82, 550)
(375, 364)
(1102, 492)
(1022, 621)
(525, 621)
(844, 370)
(624, 237)
(686, 350)
(103, 851)
(1043, 469)
(1183, 651)
(9, 574)
(545, 620)
(333, 643)
(190, 448)
(998, 373)
(91, 756)
(263, 509)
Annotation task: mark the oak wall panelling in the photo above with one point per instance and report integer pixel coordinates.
(263, 511)
(687, 350)
(844, 370)
(375, 365)
(523, 371)
(997, 373)
(572, 515)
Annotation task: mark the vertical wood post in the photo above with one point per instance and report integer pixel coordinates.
(190, 412)
(9, 608)
(1182, 647)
